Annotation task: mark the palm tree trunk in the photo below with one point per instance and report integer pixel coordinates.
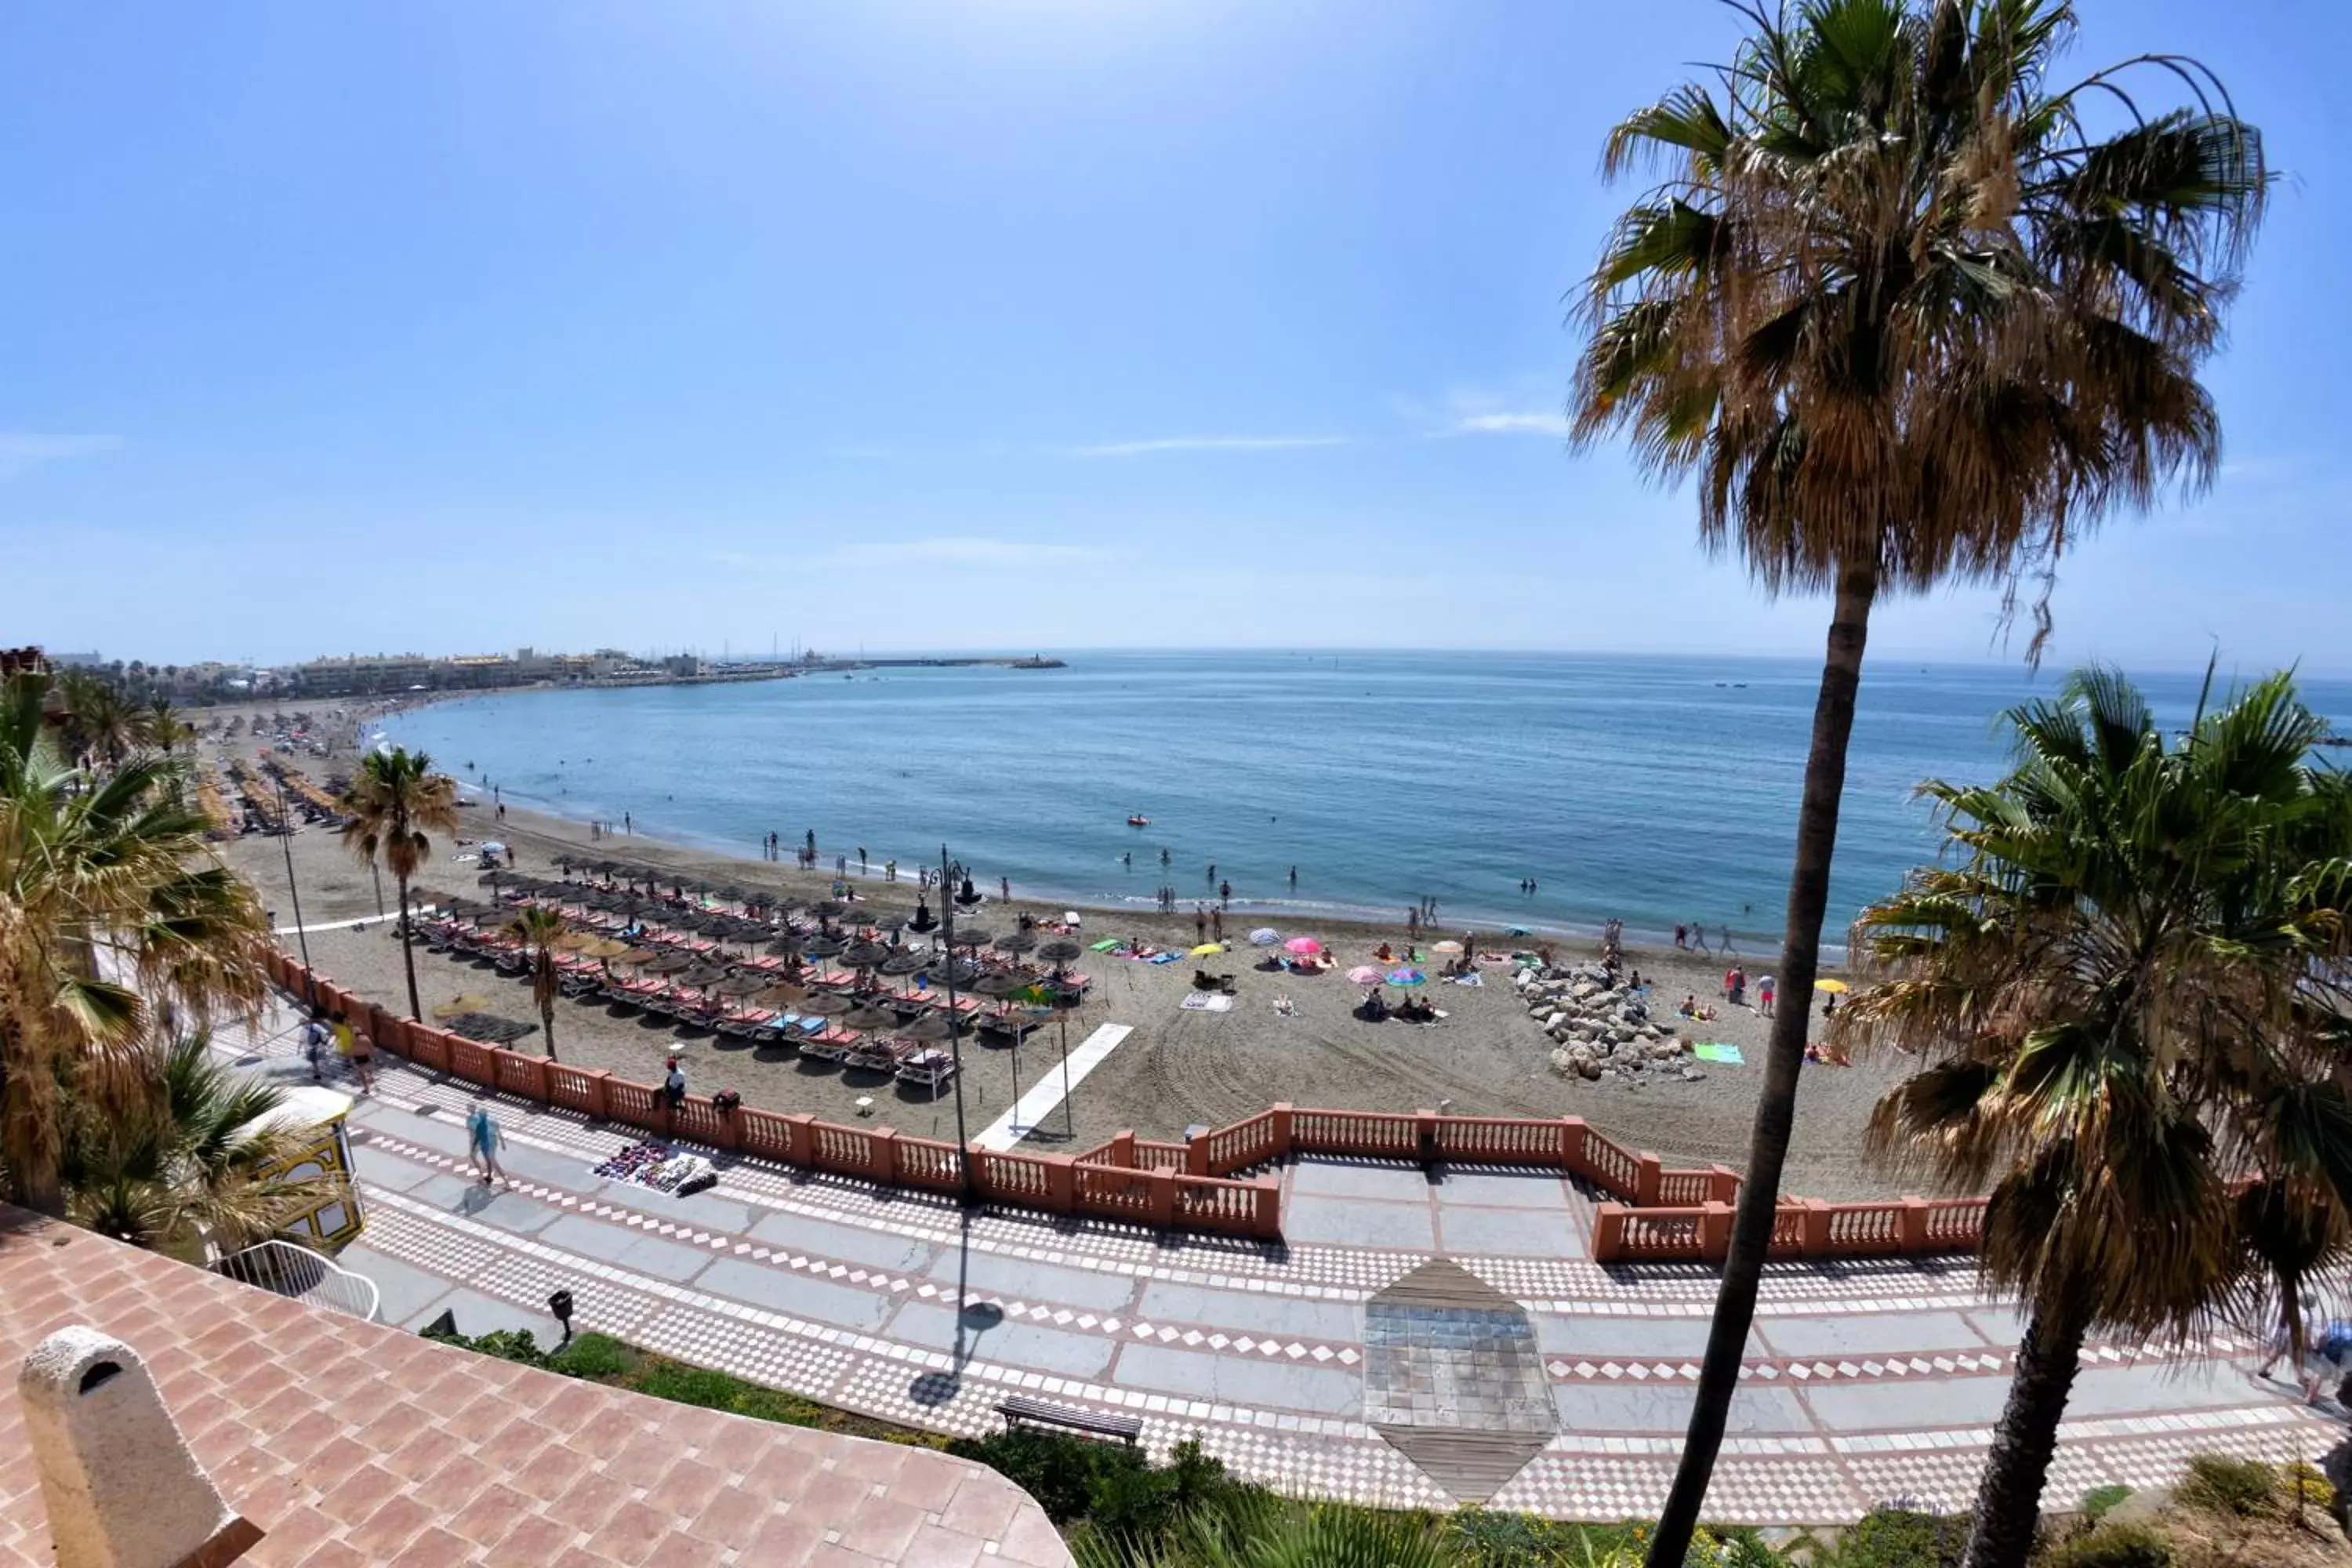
(1776, 1105)
(408, 953)
(547, 1020)
(2009, 1498)
(28, 1113)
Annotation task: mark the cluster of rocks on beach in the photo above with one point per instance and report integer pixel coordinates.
(1600, 1027)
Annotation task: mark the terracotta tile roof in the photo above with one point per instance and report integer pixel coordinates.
(353, 1443)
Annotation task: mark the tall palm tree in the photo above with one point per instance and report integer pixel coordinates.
(186, 1162)
(113, 911)
(2130, 982)
(101, 727)
(1908, 319)
(161, 726)
(540, 929)
(394, 801)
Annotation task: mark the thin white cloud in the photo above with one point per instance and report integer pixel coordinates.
(22, 451)
(1207, 444)
(965, 552)
(1552, 424)
(959, 551)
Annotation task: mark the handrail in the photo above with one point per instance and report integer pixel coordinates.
(283, 1268)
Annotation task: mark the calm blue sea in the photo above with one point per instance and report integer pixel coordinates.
(1652, 790)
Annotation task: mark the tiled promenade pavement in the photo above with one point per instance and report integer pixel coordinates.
(1865, 1383)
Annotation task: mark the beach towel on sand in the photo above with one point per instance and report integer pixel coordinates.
(1207, 1002)
(1105, 945)
(1716, 1051)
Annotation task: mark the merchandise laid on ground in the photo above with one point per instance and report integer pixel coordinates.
(1420, 1336)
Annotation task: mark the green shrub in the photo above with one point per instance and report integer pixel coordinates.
(2306, 1484)
(1062, 1473)
(506, 1344)
(1904, 1537)
(2099, 1500)
(686, 1385)
(1493, 1538)
(2113, 1546)
(593, 1356)
(2217, 1483)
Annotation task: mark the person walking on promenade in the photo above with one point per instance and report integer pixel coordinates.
(674, 1087)
(484, 1139)
(360, 1049)
(314, 1046)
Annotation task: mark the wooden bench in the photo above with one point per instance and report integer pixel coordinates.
(1022, 1411)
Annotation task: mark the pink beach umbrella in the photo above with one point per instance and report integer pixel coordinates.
(1365, 975)
(1303, 945)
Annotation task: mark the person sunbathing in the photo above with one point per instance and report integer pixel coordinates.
(1384, 953)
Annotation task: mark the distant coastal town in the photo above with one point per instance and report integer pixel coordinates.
(393, 675)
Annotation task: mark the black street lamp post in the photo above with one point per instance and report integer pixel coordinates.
(955, 1035)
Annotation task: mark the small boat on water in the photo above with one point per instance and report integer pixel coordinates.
(1139, 820)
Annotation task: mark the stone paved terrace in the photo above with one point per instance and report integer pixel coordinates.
(1865, 1382)
(349, 1443)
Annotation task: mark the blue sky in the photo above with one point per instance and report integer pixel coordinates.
(997, 324)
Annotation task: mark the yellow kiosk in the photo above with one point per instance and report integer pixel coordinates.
(322, 1111)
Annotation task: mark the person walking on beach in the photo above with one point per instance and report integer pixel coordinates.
(484, 1139)
(1764, 995)
(890, 870)
(1199, 924)
(1681, 937)
(1698, 937)
(1004, 889)
(1217, 924)
(628, 823)
(1413, 918)
(861, 860)
(1225, 895)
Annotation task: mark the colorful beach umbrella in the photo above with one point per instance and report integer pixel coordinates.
(1303, 945)
(1406, 977)
(1365, 975)
(1447, 947)
(1207, 948)
(1838, 986)
(1265, 936)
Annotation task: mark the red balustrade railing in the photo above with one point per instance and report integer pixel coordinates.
(1666, 1214)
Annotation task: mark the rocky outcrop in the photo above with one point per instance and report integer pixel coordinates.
(1600, 1029)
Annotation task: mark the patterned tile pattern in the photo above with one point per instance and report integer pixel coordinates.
(1265, 1400)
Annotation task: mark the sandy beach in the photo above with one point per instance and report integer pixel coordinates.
(1178, 1069)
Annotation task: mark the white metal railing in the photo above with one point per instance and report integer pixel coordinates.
(285, 1269)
